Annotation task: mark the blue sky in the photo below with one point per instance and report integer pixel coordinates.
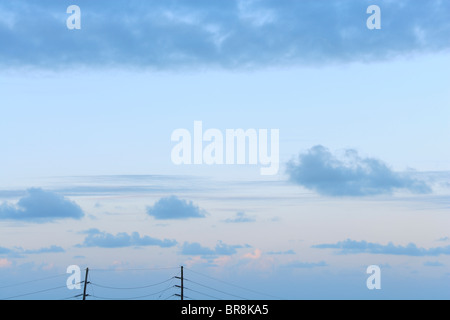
(87, 116)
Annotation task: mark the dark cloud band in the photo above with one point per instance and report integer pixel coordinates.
(170, 34)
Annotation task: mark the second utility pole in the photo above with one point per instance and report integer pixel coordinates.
(181, 286)
(85, 283)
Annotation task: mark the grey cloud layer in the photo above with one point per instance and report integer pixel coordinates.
(356, 247)
(97, 238)
(221, 249)
(319, 170)
(233, 33)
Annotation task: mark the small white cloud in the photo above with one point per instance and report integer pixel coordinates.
(174, 208)
(5, 263)
(254, 255)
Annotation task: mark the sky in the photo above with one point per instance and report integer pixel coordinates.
(88, 178)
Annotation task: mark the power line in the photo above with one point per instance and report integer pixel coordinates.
(91, 287)
(173, 295)
(130, 288)
(234, 285)
(171, 282)
(205, 294)
(77, 296)
(138, 269)
(230, 294)
(32, 293)
(134, 298)
(31, 281)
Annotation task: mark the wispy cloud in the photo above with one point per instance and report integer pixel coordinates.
(51, 249)
(19, 252)
(433, 264)
(240, 217)
(221, 249)
(97, 238)
(357, 247)
(174, 208)
(41, 206)
(232, 33)
(351, 175)
(287, 252)
(306, 265)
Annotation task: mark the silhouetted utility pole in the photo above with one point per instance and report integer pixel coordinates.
(182, 285)
(85, 284)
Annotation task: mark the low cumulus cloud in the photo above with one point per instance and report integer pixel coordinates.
(174, 208)
(357, 247)
(240, 217)
(350, 175)
(97, 238)
(232, 33)
(221, 249)
(41, 206)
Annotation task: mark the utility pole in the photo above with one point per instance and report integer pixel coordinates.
(182, 285)
(85, 284)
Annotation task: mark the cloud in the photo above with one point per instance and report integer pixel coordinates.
(4, 250)
(321, 171)
(19, 252)
(233, 33)
(306, 265)
(241, 217)
(174, 208)
(253, 255)
(51, 249)
(356, 247)
(221, 249)
(288, 252)
(444, 239)
(5, 263)
(433, 264)
(41, 206)
(96, 238)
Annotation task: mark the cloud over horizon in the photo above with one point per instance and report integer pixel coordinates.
(221, 249)
(18, 252)
(319, 170)
(287, 252)
(41, 206)
(51, 249)
(173, 208)
(306, 265)
(231, 34)
(97, 238)
(358, 247)
(240, 217)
